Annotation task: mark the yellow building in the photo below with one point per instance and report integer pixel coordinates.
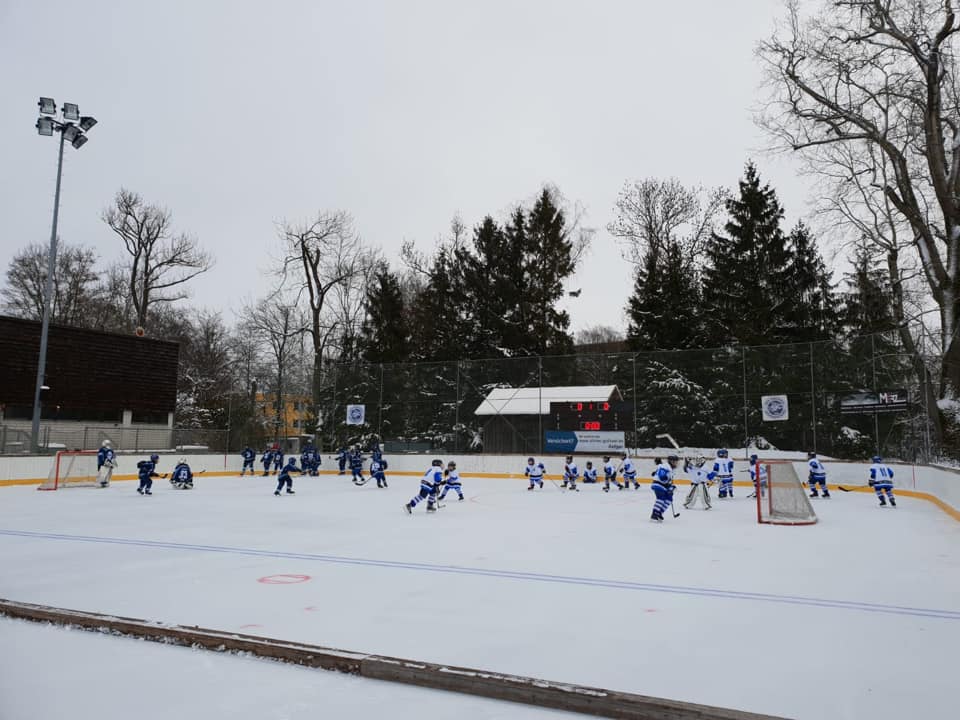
(292, 418)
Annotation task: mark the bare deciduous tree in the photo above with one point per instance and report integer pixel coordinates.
(161, 262)
(76, 287)
(867, 92)
(324, 261)
(652, 213)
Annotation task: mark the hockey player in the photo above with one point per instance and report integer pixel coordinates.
(817, 476)
(589, 473)
(700, 479)
(248, 456)
(663, 487)
(535, 471)
(881, 480)
(182, 477)
(284, 477)
(277, 458)
(759, 483)
(429, 485)
(146, 471)
(356, 466)
(570, 474)
(609, 474)
(451, 481)
(629, 472)
(342, 460)
(106, 462)
(310, 460)
(266, 460)
(723, 467)
(377, 467)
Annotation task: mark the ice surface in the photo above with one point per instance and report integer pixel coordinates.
(855, 617)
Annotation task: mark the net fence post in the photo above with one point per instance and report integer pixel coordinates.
(876, 416)
(456, 412)
(746, 423)
(540, 400)
(380, 407)
(813, 401)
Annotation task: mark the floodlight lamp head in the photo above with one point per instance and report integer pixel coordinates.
(45, 126)
(71, 111)
(47, 106)
(79, 141)
(87, 122)
(70, 132)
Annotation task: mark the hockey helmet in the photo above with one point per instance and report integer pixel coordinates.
(182, 461)
(437, 462)
(105, 443)
(569, 458)
(154, 458)
(606, 458)
(673, 460)
(722, 452)
(811, 454)
(753, 459)
(623, 456)
(589, 464)
(876, 459)
(699, 461)
(452, 465)
(530, 461)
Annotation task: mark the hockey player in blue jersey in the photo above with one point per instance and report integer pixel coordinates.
(310, 460)
(570, 474)
(429, 486)
(182, 477)
(146, 471)
(723, 468)
(284, 478)
(266, 460)
(759, 483)
(535, 471)
(451, 481)
(609, 474)
(356, 466)
(106, 462)
(342, 460)
(377, 467)
(817, 476)
(589, 473)
(248, 456)
(663, 487)
(277, 459)
(700, 479)
(629, 471)
(881, 480)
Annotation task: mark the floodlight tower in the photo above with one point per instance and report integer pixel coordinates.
(72, 128)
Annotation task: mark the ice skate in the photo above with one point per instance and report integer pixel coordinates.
(147, 492)
(140, 490)
(409, 508)
(290, 492)
(277, 493)
(893, 501)
(814, 494)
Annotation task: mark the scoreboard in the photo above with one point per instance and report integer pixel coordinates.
(596, 416)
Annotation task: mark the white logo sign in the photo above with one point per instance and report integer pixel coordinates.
(356, 414)
(775, 407)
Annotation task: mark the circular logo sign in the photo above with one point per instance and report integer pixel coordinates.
(774, 407)
(356, 414)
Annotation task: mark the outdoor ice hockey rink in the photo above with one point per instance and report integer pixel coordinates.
(857, 616)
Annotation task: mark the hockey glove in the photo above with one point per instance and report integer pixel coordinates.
(871, 482)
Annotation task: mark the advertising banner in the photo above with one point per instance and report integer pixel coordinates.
(570, 441)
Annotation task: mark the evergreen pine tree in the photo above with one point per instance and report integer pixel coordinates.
(384, 337)
(549, 262)
(811, 312)
(746, 276)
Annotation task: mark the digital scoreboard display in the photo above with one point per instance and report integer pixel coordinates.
(597, 416)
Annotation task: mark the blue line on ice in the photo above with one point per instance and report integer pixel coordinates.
(508, 574)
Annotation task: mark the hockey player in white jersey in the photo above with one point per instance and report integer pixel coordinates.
(629, 471)
(106, 462)
(535, 471)
(429, 486)
(451, 481)
(609, 474)
(700, 479)
(723, 467)
(570, 474)
(881, 480)
(589, 473)
(817, 476)
(759, 483)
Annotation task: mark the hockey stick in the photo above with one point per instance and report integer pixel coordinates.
(667, 436)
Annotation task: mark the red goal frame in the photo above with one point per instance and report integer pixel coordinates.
(55, 470)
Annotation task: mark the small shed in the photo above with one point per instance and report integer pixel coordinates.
(514, 418)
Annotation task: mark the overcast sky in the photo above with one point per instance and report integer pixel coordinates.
(237, 115)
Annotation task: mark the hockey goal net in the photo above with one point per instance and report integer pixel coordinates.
(72, 468)
(781, 497)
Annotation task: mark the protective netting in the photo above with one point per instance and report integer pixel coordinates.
(781, 497)
(72, 469)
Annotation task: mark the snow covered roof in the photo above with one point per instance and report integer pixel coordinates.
(536, 400)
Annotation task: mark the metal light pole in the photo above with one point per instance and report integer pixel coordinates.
(47, 124)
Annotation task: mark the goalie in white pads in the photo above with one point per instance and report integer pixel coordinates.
(106, 462)
(700, 479)
(429, 486)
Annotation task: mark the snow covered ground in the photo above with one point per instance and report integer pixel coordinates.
(855, 617)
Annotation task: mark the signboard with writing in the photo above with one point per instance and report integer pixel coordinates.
(869, 402)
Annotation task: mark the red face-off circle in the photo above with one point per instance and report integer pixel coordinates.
(283, 579)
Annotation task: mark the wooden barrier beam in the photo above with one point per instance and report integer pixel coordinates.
(498, 686)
